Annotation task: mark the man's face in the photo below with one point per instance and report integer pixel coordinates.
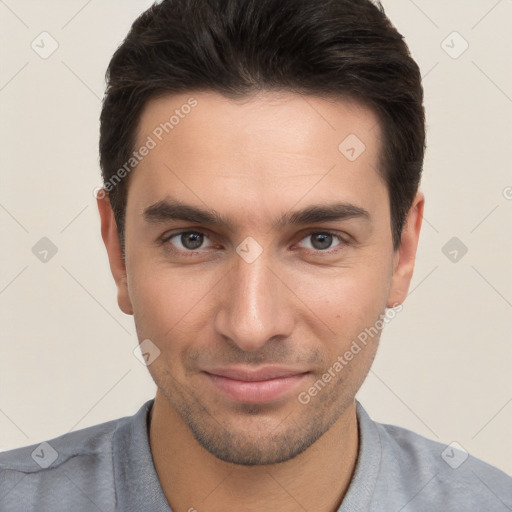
(222, 301)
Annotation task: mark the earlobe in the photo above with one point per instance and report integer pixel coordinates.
(405, 255)
(112, 243)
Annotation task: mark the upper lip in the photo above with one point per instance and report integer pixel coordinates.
(255, 374)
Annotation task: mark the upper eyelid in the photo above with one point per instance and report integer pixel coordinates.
(167, 236)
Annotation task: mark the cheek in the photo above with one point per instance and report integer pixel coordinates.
(169, 304)
(347, 298)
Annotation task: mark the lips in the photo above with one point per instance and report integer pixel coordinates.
(260, 385)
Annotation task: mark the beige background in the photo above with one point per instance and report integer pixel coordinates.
(67, 360)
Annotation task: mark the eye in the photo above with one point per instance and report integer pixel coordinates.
(193, 241)
(187, 240)
(322, 240)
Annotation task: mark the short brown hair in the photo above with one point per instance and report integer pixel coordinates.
(336, 48)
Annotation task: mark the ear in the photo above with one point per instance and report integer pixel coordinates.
(112, 243)
(405, 255)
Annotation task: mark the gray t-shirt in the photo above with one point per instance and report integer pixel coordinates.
(109, 467)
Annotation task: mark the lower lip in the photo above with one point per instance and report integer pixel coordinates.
(257, 391)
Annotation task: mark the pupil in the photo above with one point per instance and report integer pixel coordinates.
(192, 240)
(324, 241)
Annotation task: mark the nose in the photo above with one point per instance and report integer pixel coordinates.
(255, 306)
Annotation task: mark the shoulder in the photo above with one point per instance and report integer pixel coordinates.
(38, 457)
(78, 463)
(430, 474)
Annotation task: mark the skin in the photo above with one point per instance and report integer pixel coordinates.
(296, 304)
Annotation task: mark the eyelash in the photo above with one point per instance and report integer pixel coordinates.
(343, 241)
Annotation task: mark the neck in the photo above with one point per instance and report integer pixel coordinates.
(193, 479)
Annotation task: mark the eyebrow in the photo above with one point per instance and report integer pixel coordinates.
(171, 209)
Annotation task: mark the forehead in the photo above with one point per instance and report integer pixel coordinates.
(262, 151)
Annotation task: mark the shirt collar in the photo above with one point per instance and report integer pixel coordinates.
(137, 485)
(364, 480)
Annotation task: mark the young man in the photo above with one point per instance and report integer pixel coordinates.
(261, 213)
